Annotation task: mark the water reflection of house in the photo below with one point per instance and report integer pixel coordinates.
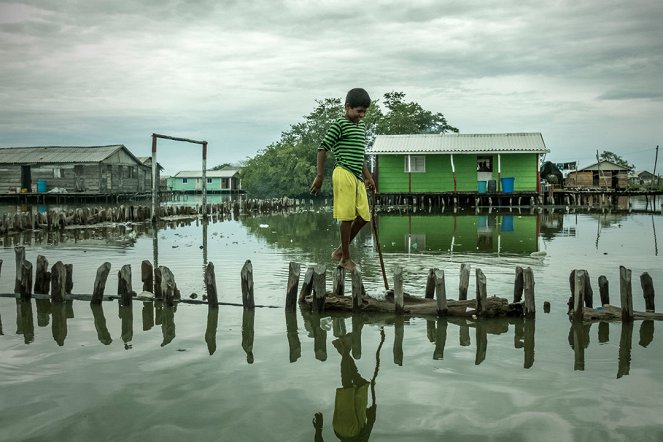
(89, 169)
(493, 233)
(603, 174)
(223, 180)
(457, 162)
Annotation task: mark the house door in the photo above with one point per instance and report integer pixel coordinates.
(26, 179)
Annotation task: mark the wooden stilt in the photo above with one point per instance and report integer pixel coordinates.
(648, 291)
(529, 309)
(100, 283)
(294, 270)
(398, 290)
(440, 293)
(210, 287)
(247, 285)
(464, 281)
(626, 294)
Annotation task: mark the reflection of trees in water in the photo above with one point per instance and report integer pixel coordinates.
(552, 224)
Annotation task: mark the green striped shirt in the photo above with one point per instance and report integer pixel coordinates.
(347, 141)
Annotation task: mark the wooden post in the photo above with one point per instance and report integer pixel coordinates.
(319, 287)
(307, 285)
(58, 277)
(589, 293)
(604, 290)
(20, 257)
(648, 291)
(167, 285)
(338, 281)
(357, 286)
(147, 276)
(518, 285)
(626, 294)
(398, 290)
(529, 309)
(441, 294)
(100, 283)
(294, 270)
(247, 285)
(464, 281)
(26, 281)
(68, 278)
(578, 294)
(124, 284)
(210, 287)
(42, 275)
(157, 283)
(482, 300)
(430, 284)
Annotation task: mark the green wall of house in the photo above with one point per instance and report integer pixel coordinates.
(438, 177)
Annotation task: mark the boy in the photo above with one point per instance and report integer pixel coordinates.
(346, 138)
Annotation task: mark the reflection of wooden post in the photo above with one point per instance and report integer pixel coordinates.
(319, 287)
(293, 337)
(338, 281)
(578, 294)
(147, 276)
(440, 292)
(440, 338)
(210, 286)
(604, 290)
(247, 285)
(294, 270)
(20, 257)
(647, 291)
(626, 294)
(398, 290)
(482, 343)
(529, 309)
(357, 286)
(578, 342)
(248, 331)
(529, 326)
(518, 285)
(100, 283)
(625, 342)
(464, 281)
(307, 285)
(482, 300)
(399, 333)
(430, 284)
(57, 282)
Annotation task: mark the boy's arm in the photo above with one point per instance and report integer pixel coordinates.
(320, 172)
(368, 178)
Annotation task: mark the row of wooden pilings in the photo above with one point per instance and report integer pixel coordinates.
(59, 219)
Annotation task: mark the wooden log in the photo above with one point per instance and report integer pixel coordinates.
(338, 281)
(68, 278)
(441, 295)
(147, 276)
(578, 294)
(247, 285)
(210, 287)
(294, 270)
(58, 277)
(319, 287)
(357, 290)
(529, 309)
(430, 284)
(604, 290)
(167, 285)
(481, 294)
(20, 257)
(42, 275)
(626, 294)
(398, 290)
(100, 283)
(464, 281)
(124, 284)
(518, 285)
(307, 285)
(26, 281)
(648, 291)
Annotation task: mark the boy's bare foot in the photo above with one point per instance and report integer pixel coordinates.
(348, 264)
(337, 254)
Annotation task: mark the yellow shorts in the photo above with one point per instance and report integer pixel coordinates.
(350, 198)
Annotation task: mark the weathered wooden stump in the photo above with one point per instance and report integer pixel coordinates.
(58, 277)
(357, 290)
(247, 285)
(147, 276)
(398, 290)
(440, 294)
(430, 284)
(529, 309)
(481, 292)
(167, 286)
(210, 287)
(518, 285)
(26, 282)
(68, 278)
(124, 289)
(307, 285)
(626, 293)
(100, 283)
(319, 287)
(647, 291)
(20, 257)
(338, 281)
(42, 276)
(464, 281)
(604, 290)
(294, 270)
(578, 294)
(158, 294)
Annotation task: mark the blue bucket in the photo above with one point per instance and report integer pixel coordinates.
(41, 185)
(482, 186)
(507, 184)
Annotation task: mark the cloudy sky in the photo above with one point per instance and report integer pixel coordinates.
(588, 75)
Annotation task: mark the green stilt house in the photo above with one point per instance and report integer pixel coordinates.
(445, 163)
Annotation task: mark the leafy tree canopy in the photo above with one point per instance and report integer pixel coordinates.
(287, 166)
(614, 158)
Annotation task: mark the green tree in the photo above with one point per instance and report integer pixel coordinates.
(614, 158)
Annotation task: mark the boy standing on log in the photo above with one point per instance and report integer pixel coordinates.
(346, 138)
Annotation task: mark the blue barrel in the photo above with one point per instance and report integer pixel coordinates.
(41, 185)
(482, 186)
(507, 184)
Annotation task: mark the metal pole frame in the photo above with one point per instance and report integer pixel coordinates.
(155, 182)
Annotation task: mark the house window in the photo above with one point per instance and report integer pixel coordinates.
(185, 180)
(209, 180)
(414, 163)
(484, 164)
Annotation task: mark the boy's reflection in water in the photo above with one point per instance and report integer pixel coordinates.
(353, 420)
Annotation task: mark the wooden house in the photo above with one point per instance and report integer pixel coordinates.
(73, 169)
(647, 179)
(431, 163)
(604, 174)
(223, 180)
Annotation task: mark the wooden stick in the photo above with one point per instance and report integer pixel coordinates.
(294, 270)
(124, 284)
(58, 276)
(247, 285)
(26, 281)
(604, 290)
(307, 285)
(42, 275)
(338, 281)
(100, 283)
(529, 309)
(20, 257)
(441, 295)
(481, 295)
(578, 294)
(167, 285)
(464, 281)
(319, 287)
(626, 294)
(430, 284)
(157, 283)
(147, 276)
(210, 288)
(357, 291)
(518, 285)
(398, 290)
(648, 291)
(589, 293)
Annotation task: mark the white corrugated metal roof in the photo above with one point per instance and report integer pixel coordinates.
(58, 154)
(458, 143)
(223, 173)
(605, 165)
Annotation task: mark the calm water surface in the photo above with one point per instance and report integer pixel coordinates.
(150, 372)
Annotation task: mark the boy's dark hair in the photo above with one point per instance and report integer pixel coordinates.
(358, 97)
